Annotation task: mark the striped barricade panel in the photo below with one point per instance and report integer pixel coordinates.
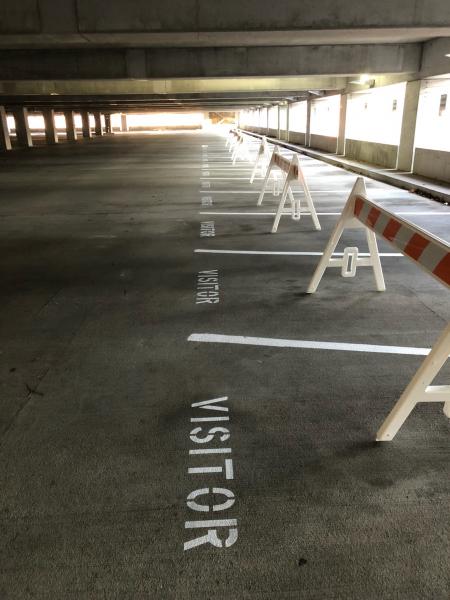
(281, 162)
(430, 252)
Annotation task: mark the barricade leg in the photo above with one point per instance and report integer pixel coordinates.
(255, 168)
(419, 389)
(263, 190)
(286, 190)
(295, 205)
(309, 200)
(375, 260)
(237, 151)
(348, 219)
(330, 248)
(276, 183)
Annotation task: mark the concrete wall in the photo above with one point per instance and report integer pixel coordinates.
(323, 142)
(383, 155)
(434, 164)
(297, 138)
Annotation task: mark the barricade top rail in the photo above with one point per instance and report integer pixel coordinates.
(282, 162)
(424, 248)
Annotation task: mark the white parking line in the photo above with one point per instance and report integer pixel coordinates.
(266, 252)
(346, 191)
(428, 213)
(306, 344)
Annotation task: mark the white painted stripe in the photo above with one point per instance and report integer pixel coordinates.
(305, 344)
(208, 419)
(210, 451)
(428, 213)
(206, 251)
(257, 214)
(346, 191)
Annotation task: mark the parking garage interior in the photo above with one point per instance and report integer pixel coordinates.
(225, 266)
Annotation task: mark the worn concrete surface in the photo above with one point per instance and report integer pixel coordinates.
(97, 381)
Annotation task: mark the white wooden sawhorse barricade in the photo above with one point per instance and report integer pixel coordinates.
(231, 139)
(430, 253)
(262, 160)
(294, 173)
(238, 147)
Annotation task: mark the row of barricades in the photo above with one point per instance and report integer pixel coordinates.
(272, 167)
(427, 251)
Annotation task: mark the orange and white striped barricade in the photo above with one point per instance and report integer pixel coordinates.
(231, 139)
(427, 251)
(262, 160)
(293, 172)
(351, 260)
(241, 149)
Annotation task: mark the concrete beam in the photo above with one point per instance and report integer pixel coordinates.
(71, 131)
(261, 61)
(51, 136)
(170, 87)
(435, 60)
(86, 126)
(5, 140)
(22, 127)
(98, 123)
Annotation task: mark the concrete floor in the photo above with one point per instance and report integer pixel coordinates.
(98, 298)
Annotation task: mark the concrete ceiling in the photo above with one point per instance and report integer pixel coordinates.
(200, 53)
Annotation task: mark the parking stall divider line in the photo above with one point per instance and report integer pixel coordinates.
(285, 253)
(213, 338)
(323, 214)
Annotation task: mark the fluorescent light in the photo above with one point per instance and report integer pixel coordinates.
(363, 79)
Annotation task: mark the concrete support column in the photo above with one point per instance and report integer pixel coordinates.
(124, 122)
(408, 133)
(342, 121)
(71, 131)
(267, 121)
(5, 140)
(108, 128)
(308, 123)
(98, 123)
(279, 121)
(87, 133)
(22, 127)
(287, 121)
(51, 136)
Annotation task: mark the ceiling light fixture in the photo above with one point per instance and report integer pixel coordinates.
(363, 80)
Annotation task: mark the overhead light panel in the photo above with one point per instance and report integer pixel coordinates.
(364, 80)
